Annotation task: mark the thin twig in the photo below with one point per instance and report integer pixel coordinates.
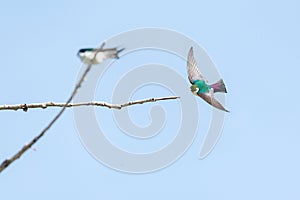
(7, 162)
(147, 100)
(25, 107)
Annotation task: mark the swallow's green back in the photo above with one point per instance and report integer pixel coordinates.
(201, 84)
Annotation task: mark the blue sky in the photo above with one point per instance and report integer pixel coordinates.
(255, 46)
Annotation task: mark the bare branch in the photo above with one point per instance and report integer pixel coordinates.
(7, 162)
(25, 107)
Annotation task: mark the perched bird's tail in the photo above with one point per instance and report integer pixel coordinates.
(219, 86)
(117, 53)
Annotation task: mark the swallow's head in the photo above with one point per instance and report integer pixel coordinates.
(82, 52)
(194, 89)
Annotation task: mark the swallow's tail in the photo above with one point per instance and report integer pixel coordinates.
(219, 86)
(117, 53)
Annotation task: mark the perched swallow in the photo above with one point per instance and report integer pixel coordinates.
(98, 55)
(199, 84)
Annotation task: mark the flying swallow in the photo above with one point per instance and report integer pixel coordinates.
(200, 87)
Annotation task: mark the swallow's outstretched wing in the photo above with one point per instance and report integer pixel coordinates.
(209, 98)
(103, 54)
(192, 68)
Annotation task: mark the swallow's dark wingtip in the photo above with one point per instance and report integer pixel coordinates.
(102, 45)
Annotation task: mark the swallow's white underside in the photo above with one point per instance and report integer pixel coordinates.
(89, 57)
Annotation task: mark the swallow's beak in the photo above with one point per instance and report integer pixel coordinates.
(78, 53)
